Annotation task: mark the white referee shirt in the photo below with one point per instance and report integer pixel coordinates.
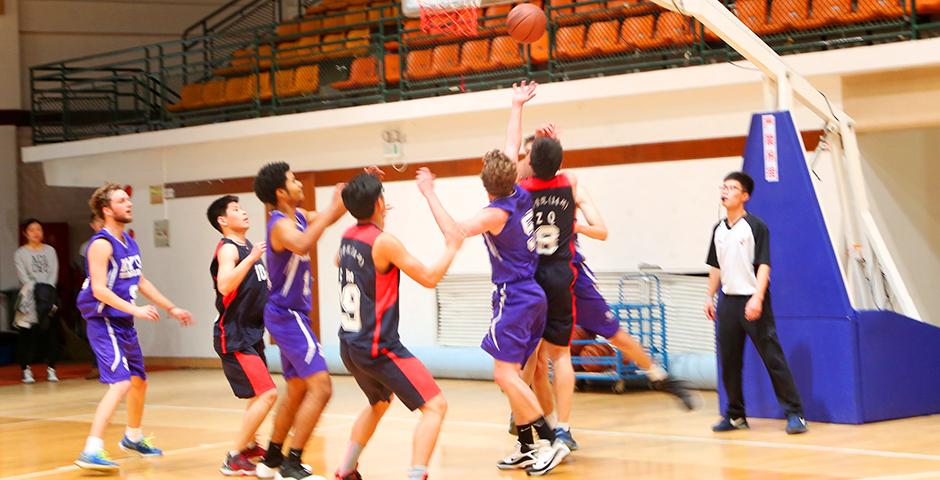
(737, 250)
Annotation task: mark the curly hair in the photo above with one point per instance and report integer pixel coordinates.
(499, 174)
(102, 198)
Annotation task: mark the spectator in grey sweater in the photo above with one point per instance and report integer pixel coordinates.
(36, 263)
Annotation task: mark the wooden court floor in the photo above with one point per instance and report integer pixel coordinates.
(632, 436)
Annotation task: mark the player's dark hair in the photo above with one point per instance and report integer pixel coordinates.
(270, 178)
(218, 208)
(360, 195)
(545, 158)
(747, 183)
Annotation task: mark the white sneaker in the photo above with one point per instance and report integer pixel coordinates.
(264, 471)
(28, 376)
(518, 458)
(548, 457)
(50, 375)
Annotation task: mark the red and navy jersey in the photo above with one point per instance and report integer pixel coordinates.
(368, 299)
(240, 323)
(554, 207)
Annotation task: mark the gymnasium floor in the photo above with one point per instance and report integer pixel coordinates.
(632, 436)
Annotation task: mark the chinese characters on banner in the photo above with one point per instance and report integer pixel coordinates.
(769, 138)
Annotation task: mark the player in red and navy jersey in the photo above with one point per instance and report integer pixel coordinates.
(241, 291)
(370, 263)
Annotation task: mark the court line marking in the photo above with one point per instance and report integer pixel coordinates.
(640, 435)
(908, 476)
(168, 453)
(73, 468)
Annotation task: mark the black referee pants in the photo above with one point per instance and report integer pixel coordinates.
(732, 330)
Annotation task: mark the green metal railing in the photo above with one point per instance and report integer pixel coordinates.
(303, 65)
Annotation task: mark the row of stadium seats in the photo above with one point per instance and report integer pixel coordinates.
(235, 90)
(602, 28)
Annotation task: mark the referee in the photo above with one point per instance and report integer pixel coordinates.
(739, 255)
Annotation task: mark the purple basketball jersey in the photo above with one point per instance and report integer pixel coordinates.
(512, 252)
(123, 275)
(289, 272)
(578, 256)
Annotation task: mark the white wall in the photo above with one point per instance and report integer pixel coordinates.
(181, 272)
(902, 173)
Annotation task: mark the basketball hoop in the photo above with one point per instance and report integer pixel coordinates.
(392, 140)
(450, 17)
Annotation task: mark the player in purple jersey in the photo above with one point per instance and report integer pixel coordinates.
(594, 314)
(370, 261)
(106, 301)
(553, 195)
(241, 286)
(519, 304)
(292, 235)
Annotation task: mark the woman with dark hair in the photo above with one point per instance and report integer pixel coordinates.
(37, 269)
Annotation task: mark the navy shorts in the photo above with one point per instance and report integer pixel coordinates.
(392, 371)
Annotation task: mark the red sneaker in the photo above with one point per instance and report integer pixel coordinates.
(254, 452)
(237, 466)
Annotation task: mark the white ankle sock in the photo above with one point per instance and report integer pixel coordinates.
(93, 444)
(134, 434)
(552, 420)
(564, 426)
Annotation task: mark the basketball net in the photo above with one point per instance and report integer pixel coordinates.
(450, 17)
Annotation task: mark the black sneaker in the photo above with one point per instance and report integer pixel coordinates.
(796, 424)
(295, 471)
(728, 424)
(690, 400)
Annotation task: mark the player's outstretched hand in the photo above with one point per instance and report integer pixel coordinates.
(548, 131)
(425, 181)
(257, 251)
(147, 312)
(183, 316)
(523, 92)
(375, 171)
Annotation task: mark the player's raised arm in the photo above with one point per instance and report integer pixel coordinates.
(285, 235)
(231, 271)
(521, 93)
(488, 219)
(389, 250)
(594, 227)
(450, 229)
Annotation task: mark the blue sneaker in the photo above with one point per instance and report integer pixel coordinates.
(565, 437)
(728, 424)
(796, 424)
(143, 448)
(99, 461)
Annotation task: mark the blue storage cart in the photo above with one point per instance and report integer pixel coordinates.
(642, 314)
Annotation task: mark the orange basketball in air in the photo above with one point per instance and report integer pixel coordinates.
(526, 23)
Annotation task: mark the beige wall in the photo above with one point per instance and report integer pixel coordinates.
(902, 172)
(9, 153)
(55, 30)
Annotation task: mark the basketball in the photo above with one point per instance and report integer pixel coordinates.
(596, 350)
(579, 334)
(526, 23)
